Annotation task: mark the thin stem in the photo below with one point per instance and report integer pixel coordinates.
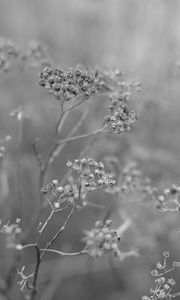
(47, 220)
(59, 147)
(63, 142)
(18, 171)
(83, 153)
(79, 123)
(80, 137)
(64, 253)
(28, 246)
(52, 155)
(34, 283)
(165, 272)
(61, 120)
(41, 252)
(63, 227)
(76, 105)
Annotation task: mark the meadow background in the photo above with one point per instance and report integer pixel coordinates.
(138, 37)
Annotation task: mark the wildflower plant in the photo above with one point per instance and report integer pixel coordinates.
(120, 118)
(163, 286)
(168, 200)
(72, 88)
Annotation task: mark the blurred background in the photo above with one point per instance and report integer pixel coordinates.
(140, 38)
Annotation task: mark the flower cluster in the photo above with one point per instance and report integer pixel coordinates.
(91, 174)
(132, 182)
(60, 197)
(162, 289)
(102, 239)
(36, 55)
(112, 80)
(169, 199)
(66, 85)
(121, 118)
(24, 281)
(163, 286)
(12, 235)
(8, 51)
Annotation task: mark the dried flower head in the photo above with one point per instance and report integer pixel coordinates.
(121, 118)
(131, 183)
(66, 85)
(60, 197)
(163, 286)
(168, 200)
(101, 239)
(91, 174)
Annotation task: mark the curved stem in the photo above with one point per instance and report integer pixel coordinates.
(29, 245)
(47, 220)
(63, 227)
(80, 137)
(83, 153)
(62, 253)
(34, 283)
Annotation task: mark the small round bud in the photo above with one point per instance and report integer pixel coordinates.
(108, 223)
(161, 198)
(44, 191)
(171, 282)
(166, 254)
(166, 286)
(56, 205)
(55, 183)
(159, 266)
(154, 272)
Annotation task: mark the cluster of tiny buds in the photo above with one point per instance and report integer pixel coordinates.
(121, 118)
(163, 286)
(66, 85)
(130, 176)
(12, 235)
(131, 180)
(114, 80)
(24, 281)
(91, 173)
(102, 239)
(61, 197)
(162, 290)
(8, 51)
(36, 55)
(169, 199)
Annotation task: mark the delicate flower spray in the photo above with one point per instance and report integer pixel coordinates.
(72, 88)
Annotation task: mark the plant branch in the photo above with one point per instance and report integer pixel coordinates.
(47, 220)
(64, 253)
(34, 283)
(63, 227)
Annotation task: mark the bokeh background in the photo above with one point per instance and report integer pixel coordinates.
(136, 36)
